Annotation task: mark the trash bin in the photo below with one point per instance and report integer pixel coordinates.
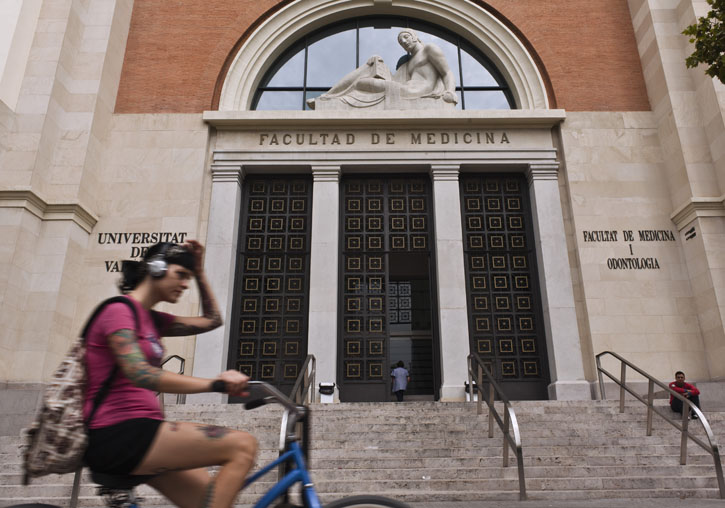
(468, 391)
(327, 393)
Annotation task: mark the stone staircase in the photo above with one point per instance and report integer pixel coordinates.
(427, 451)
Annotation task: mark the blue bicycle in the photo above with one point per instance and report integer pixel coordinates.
(118, 491)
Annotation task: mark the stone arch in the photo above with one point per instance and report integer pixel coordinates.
(479, 26)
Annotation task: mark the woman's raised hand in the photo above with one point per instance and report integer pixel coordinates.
(197, 250)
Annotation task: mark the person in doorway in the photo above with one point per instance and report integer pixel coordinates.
(401, 378)
(128, 434)
(686, 390)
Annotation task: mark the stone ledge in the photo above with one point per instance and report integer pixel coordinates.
(30, 201)
(698, 207)
(412, 119)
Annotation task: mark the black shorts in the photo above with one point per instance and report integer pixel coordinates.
(119, 449)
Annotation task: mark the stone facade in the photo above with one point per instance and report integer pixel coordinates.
(131, 123)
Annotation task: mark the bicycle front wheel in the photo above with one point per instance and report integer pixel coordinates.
(366, 502)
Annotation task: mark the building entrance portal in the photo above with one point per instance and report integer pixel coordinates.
(387, 290)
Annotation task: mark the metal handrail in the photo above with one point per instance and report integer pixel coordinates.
(711, 447)
(305, 380)
(301, 394)
(180, 397)
(509, 425)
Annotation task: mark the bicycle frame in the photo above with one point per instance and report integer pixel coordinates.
(300, 474)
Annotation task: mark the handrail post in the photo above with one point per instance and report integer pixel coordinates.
(76, 487)
(683, 439)
(622, 377)
(470, 384)
(650, 403)
(522, 478)
(491, 400)
(479, 390)
(506, 424)
(602, 393)
(718, 470)
(312, 380)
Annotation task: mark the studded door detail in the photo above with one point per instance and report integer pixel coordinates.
(505, 322)
(379, 216)
(270, 343)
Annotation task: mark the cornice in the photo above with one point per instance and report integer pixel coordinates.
(31, 202)
(418, 119)
(698, 207)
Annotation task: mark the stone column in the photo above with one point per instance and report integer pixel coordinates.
(557, 296)
(451, 281)
(324, 259)
(212, 348)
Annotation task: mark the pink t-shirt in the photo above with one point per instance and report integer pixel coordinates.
(124, 401)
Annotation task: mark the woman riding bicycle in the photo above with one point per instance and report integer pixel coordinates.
(128, 434)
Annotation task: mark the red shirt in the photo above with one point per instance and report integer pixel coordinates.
(124, 401)
(686, 387)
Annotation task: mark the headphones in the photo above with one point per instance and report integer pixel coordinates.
(156, 264)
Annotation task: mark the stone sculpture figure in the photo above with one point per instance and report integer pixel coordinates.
(423, 81)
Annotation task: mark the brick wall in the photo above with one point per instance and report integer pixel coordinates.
(178, 51)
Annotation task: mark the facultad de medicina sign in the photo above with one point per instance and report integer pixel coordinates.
(321, 139)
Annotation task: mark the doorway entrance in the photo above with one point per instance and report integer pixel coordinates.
(387, 294)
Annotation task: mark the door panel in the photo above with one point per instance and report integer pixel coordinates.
(504, 305)
(269, 324)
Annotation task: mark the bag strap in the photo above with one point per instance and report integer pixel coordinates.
(106, 386)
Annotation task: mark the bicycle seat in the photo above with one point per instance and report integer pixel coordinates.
(120, 482)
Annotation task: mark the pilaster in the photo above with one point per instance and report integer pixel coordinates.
(212, 349)
(562, 335)
(324, 260)
(451, 280)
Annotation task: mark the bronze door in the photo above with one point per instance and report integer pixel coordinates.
(504, 305)
(386, 287)
(269, 327)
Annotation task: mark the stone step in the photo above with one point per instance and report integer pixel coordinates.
(562, 460)
(489, 453)
(325, 485)
(468, 472)
(416, 496)
(423, 451)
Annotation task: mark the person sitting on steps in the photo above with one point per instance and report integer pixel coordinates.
(686, 390)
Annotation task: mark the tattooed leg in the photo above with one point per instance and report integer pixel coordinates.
(214, 431)
(209, 494)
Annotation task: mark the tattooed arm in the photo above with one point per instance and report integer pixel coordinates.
(211, 317)
(137, 369)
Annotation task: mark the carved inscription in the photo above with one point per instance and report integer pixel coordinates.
(140, 242)
(631, 262)
(313, 139)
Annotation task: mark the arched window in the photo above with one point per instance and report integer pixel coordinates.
(315, 63)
